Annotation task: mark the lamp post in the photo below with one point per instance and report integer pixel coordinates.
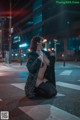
(63, 56)
(55, 42)
(10, 22)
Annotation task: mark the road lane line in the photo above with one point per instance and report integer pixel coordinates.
(68, 85)
(22, 85)
(47, 112)
(66, 72)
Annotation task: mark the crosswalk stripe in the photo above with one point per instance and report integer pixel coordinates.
(22, 85)
(66, 72)
(19, 85)
(68, 85)
(12, 68)
(60, 95)
(47, 112)
(0, 99)
(62, 84)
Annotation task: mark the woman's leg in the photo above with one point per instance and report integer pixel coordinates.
(46, 89)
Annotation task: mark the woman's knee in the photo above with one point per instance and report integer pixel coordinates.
(48, 90)
(51, 92)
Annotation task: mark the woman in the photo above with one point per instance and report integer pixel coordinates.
(40, 64)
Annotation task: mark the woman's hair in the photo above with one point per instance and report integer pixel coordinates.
(34, 41)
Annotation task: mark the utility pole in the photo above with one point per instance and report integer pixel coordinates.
(10, 41)
(2, 20)
(55, 46)
(55, 42)
(63, 56)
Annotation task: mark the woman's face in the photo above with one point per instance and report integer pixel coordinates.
(39, 45)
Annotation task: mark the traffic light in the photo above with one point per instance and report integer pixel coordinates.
(21, 51)
(9, 35)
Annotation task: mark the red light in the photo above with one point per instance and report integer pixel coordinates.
(14, 13)
(21, 51)
(9, 35)
(79, 35)
(49, 49)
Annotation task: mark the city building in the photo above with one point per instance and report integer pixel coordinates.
(50, 19)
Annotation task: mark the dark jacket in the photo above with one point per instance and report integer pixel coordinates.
(33, 65)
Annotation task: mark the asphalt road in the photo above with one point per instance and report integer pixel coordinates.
(65, 106)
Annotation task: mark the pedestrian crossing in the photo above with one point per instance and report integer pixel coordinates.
(23, 68)
(69, 85)
(24, 73)
(12, 68)
(62, 84)
(4, 67)
(0, 100)
(66, 72)
(22, 85)
(47, 112)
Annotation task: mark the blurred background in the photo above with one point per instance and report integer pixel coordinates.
(57, 22)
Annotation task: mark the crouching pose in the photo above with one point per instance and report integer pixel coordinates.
(40, 64)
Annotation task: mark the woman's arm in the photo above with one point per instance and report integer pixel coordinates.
(33, 64)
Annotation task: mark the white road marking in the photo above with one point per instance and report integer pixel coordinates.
(47, 112)
(73, 65)
(62, 84)
(60, 95)
(12, 68)
(4, 67)
(66, 72)
(68, 85)
(0, 100)
(78, 80)
(19, 85)
(22, 85)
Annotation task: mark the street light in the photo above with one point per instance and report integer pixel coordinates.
(10, 32)
(55, 42)
(44, 40)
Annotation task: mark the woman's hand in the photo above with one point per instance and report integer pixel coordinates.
(51, 53)
(40, 57)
